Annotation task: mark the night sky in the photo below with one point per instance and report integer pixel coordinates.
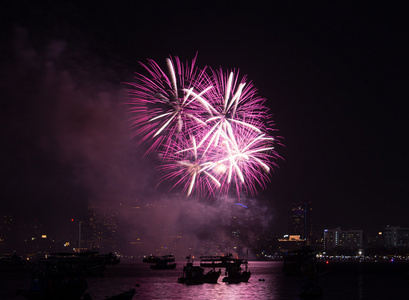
(334, 76)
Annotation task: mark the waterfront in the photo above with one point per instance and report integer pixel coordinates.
(338, 280)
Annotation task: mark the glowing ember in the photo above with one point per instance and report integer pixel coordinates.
(211, 128)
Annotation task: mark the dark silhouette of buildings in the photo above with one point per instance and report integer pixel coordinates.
(99, 229)
(300, 221)
(395, 236)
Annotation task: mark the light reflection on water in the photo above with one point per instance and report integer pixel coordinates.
(339, 282)
(162, 284)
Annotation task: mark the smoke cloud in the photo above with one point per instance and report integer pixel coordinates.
(68, 148)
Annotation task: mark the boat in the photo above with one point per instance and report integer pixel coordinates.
(153, 259)
(196, 274)
(220, 261)
(86, 264)
(235, 273)
(168, 258)
(164, 262)
(217, 261)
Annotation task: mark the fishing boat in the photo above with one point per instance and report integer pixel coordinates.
(235, 273)
(217, 261)
(164, 262)
(87, 264)
(153, 259)
(196, 274)
(234, 270)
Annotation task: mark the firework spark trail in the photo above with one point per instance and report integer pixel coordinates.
(165, 105)
(237, 101)
(212, 131)
(249, 158)
(190, 168)
(234, 105)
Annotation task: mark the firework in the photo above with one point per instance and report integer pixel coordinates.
(191, 167)
(164, 104)
(211, 128)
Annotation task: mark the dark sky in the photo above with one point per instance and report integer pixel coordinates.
(334, 76)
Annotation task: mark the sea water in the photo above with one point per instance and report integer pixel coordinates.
(338, 280)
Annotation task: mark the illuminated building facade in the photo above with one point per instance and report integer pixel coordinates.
(395, 236)
(290, 243)
(346, 239)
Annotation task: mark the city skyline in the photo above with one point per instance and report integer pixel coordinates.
(103, 230)
(333, 77)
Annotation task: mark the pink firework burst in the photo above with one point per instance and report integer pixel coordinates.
(212, 129)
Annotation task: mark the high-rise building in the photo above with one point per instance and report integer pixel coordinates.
(346, 239)
(100, 228)
(395, 236)
(300, 220)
